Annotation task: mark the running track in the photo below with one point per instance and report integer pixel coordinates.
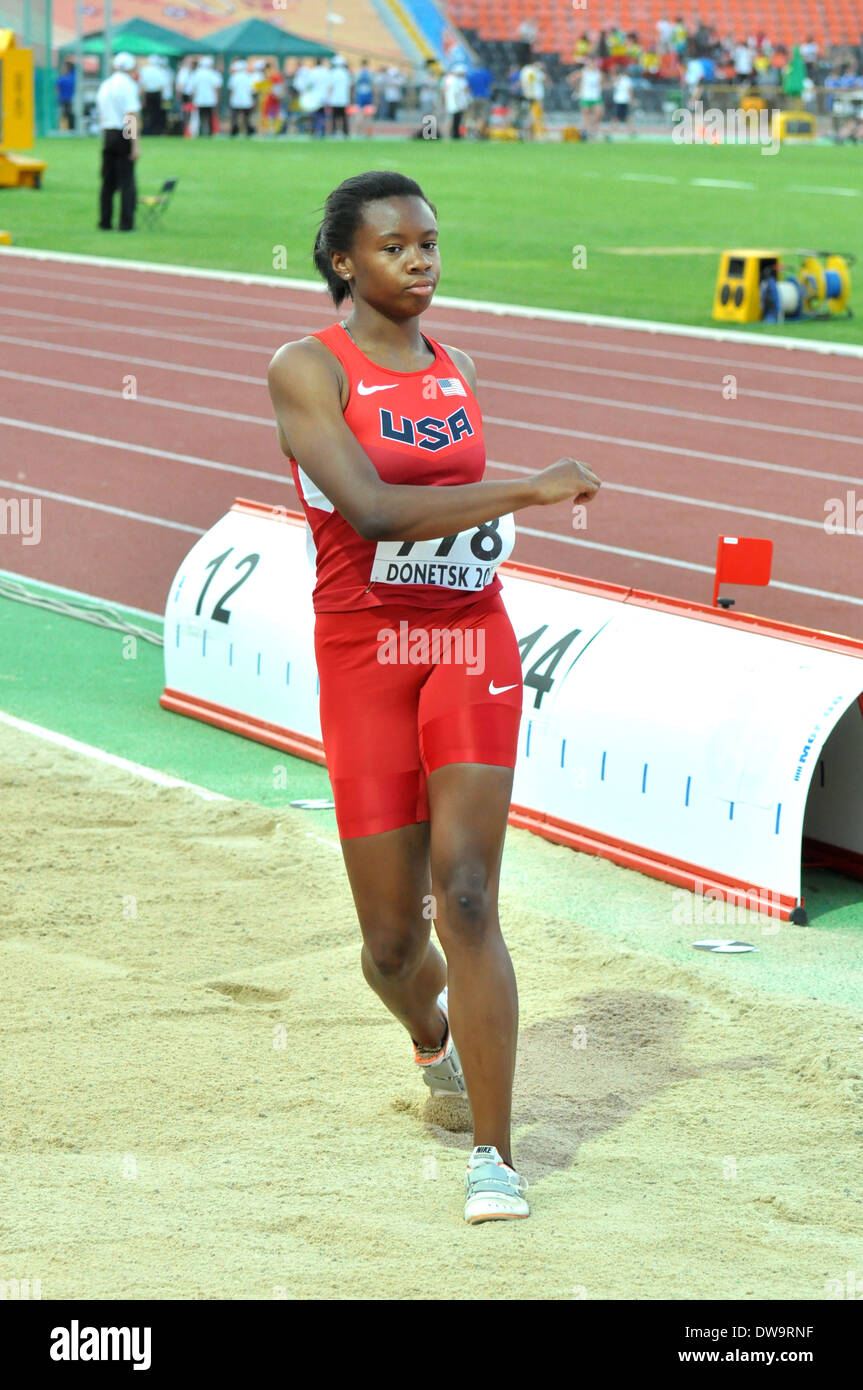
(128, 484)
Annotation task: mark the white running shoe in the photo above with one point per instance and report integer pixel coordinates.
(493, 1190)
(442, 1072)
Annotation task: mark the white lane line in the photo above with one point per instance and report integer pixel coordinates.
(524, 530)
(700, 455)
(448, 302)
(271, 325)
(727, 421)
(151, 452)
(132, 361)
(581, 369)
(163, 334)
(117, 395)
(101, 507)
(549, 340)
(682, 564)
(817, 188)
(721, 183)
(99, 755)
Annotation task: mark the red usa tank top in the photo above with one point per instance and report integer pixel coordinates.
(421, 427)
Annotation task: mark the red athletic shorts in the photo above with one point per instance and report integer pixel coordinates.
(405, 691)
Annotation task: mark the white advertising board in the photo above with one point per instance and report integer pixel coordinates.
(666, 736)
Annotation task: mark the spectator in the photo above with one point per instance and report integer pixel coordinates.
(183, 84)
(118, 105)
(204, 87)
(622, 97)
(152, 80)
(167, 92)
(339, 95)
(456, 95)
(532, 83)
(590, 97)
(480, 81)
(743, 63)
(317, 97)
(393, 88)
(664, 35)
(241, 98)
(526, 34)
(66, 95)
(809, 54)
(364, 98)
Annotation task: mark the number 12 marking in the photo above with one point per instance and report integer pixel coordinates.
(220, 613)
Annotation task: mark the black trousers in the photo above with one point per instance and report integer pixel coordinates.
(153, 119)
(118, 176)
(205, 120)
(339, 118)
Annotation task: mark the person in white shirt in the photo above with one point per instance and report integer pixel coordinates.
(664, 34)
(393, 89)
(204, 87)
(456, 95)
(167, 86)
(118, 105)
(590, 96)
(183, 82)
(152, 78)
(743, 60)
(532, 86)
(339, 95)
(241, 97)
(622, 98)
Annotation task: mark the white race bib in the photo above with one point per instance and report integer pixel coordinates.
(467, 560)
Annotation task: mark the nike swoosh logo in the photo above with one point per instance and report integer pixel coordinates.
(367, 390)
(499, 689)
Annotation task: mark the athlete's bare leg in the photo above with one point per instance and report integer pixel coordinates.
(469, 805)
(391, 883)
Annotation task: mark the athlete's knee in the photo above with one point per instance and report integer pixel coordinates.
(465, 887)
(396, 954)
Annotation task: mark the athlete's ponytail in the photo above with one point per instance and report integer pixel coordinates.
(343, 215)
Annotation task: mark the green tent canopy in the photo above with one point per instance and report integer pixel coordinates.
(255, 38)
(138, 36)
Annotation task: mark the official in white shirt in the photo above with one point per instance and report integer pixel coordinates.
(118, 105)
(204, 87)
(152, 80)
(241, 97)
(339, 97)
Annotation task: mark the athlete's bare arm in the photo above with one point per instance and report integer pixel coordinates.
(305, 389)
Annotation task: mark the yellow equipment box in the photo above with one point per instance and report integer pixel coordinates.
(16, 115)
(738, 285)
(791, 126)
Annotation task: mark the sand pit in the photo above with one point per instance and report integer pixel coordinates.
(203, 1099)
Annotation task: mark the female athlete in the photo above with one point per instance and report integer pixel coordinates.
(419, 668)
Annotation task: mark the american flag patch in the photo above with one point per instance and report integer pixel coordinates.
(450, 386)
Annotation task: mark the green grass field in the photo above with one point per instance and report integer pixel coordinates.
(509, 215)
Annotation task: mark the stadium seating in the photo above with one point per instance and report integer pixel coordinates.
(558, 24)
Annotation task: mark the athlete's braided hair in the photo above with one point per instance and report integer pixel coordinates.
(343, 214)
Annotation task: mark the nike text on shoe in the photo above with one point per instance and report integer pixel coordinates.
(493, 1190)
(368, 390)
(442, 1072)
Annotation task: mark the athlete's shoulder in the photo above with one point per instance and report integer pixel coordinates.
(305, 359)
(463, 363)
